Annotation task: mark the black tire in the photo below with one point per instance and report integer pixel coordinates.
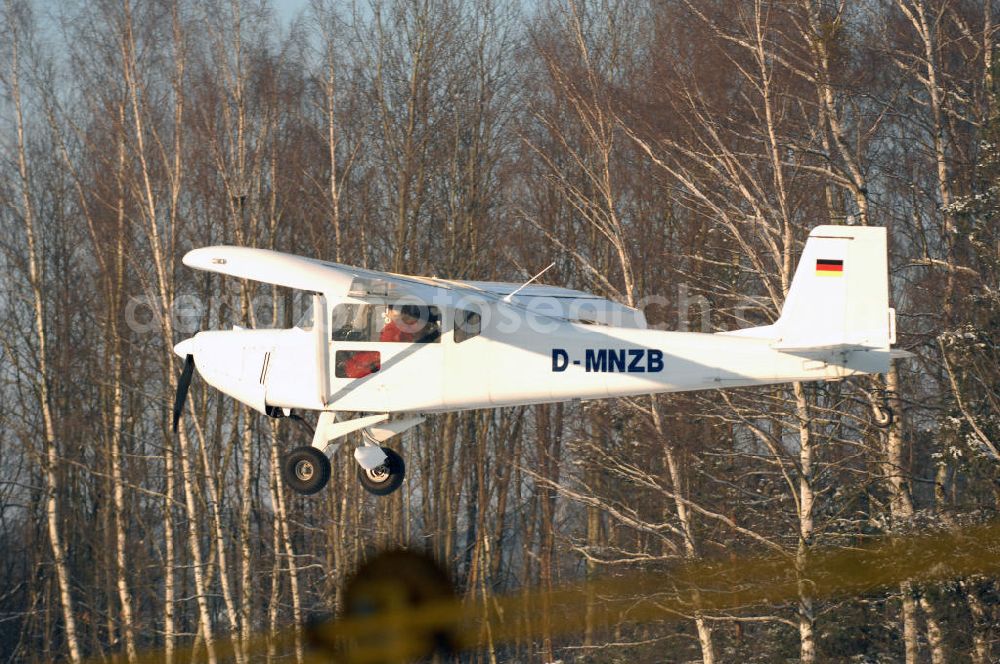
(882, 417)
(306, 470)
(386, 478)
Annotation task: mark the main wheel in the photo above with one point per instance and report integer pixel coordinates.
(306, 470)
(386, 478)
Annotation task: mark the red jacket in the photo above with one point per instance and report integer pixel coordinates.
(391, 332)
(361, 364)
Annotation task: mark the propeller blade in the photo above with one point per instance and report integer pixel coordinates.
(182, 388)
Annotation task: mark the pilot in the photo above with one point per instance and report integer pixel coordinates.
(409, 323)
(363, 363)
(400, 324)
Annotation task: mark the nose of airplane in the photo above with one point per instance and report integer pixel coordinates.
(186, 347)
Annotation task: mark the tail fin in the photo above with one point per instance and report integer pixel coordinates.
(839, 295)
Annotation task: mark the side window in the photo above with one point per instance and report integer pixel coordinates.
(468, 324)
(398, 323)
(350, 322)
(302, 311)
(410, 323)
(357, 363)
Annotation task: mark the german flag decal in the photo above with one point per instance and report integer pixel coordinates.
(826, 267)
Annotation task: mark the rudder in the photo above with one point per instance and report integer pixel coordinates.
(839, 294)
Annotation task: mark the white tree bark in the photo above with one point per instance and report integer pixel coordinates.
(214, 482)
(117, 410)
(287, 551)
(684, 517)
(162, 263)
(36, 283)
(900, 509)
(807, 615)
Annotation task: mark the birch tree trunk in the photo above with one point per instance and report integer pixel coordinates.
(37, 284)
(900, 508)
(807, 616)
(112, 277)
(214, 482)
(287, 550)
(684, 518)
(117, 416)
(162, 264)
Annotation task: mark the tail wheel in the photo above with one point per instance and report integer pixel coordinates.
(386, 478)
(306, 470)
(882, 416)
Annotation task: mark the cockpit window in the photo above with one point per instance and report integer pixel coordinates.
(301, 309)
(351, 322)
(356, 363)
(400, 323)
(468, 324)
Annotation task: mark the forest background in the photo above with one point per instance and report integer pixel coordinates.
(672, 149)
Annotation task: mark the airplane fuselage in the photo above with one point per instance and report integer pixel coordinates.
(542, 360)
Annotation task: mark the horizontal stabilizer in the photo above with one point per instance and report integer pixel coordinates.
(825, 349)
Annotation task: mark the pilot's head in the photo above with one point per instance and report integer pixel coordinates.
(410, 317)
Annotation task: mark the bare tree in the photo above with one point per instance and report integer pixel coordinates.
(18, 35)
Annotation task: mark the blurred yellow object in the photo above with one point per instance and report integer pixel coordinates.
(401, 605)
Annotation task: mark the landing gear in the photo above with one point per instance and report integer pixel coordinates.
(380, 469)
(306, 470)
(385, 478)
(882, 416)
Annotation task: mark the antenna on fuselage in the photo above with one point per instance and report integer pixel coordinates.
(510, 296)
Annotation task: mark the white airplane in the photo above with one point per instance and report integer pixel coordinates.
(383, 344)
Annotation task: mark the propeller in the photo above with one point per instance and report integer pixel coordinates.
(182, 388)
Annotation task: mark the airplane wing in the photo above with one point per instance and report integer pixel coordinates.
(337, 280)
(573, 305)
(308, 274)
(503, 288)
